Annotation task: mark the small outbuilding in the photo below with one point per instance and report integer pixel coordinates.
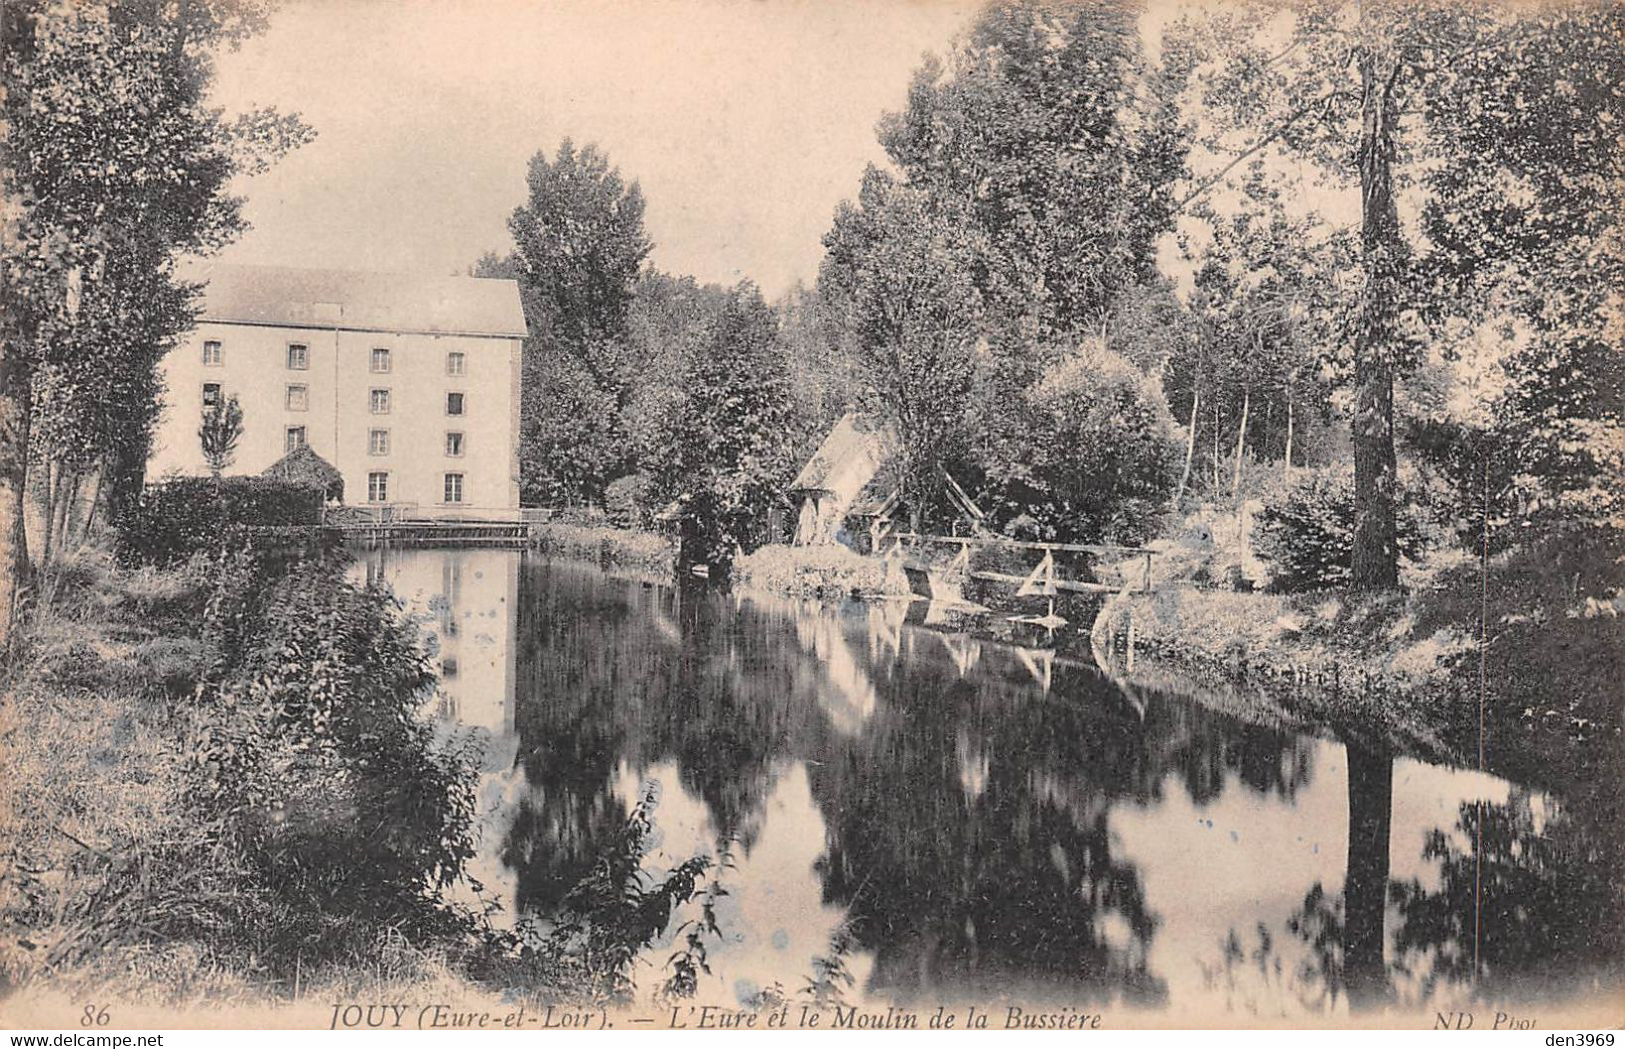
(828, 487)
(304, 466)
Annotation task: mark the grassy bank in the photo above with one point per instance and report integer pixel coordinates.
(608, 547)
(817, 571)
(1407, 665)
(221, 791)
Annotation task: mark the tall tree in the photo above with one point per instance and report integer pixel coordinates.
(112, 166)
(903, 273)
(1376, 94)
(1525, 221)
(1035, 172)
(1060, 143)
(579, 243)
(725, 457)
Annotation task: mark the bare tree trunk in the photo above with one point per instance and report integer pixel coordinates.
(1190, 446)
(1376, 551)
(1286, 469)
(48, 518)
(1241, 442)
(1215, 449)
(69, 499)
(15, 410)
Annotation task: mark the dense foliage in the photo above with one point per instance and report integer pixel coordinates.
(1305, 531)
(175, 519)
(1489, 121)
(114, 165)
(1102, 459)
(721, 444)
(338, 800)
(579, 243)
(1036, 167)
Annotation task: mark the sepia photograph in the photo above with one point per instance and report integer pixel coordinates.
(817, 515)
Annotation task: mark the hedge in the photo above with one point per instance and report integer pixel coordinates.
(175, 519)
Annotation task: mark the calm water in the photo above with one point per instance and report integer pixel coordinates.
(949, 819)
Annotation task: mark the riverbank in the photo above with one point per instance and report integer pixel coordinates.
(828, 572)
(1406, 666)
(221, 792)
(607, 547)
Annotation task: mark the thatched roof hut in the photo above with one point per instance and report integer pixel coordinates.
(304, 466)
(846, 462)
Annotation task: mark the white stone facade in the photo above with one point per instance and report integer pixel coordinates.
(417, 408)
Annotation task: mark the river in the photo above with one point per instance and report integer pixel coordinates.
(935, 818)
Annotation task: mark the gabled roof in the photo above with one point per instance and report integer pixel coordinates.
(848, 458)
(355, 300)
(304, 466)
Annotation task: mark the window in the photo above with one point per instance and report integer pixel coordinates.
(294, 439)
(380, 402)
(211, 394)
(380, 359)
(448, 667)
(378, 487)
(454, 488)
(211, 354)
(456, 363)
(377, 442)
(298, 397)
(298, 356)
(454, 404)
(454, 444)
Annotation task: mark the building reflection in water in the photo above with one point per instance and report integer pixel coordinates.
(943, 817)
(465, 601)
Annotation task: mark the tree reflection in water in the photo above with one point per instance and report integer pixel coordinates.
(963, 807)
(1523, 901)
(973, 819)
(1525, 890)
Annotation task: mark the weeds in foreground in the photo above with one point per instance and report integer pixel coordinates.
(588, 949)
(219, 786)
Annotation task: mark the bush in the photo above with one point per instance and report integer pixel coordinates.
(1305, 531)
(341, 805)
(626, 501)
(820, 571)
(175, 519)
(1094, 458)
(617, 548)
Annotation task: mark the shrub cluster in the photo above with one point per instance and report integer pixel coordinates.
(341, 807)
(1092, 457)
(626, 501)
(1305, 531)
(175, 519)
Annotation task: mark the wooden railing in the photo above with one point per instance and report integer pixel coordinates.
(1094, 550)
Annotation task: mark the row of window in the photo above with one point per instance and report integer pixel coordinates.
(299, 358)
(297, 399)
(378, 487)
(377, 441)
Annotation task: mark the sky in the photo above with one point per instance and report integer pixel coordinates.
(745, 121)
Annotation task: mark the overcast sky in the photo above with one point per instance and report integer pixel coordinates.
(746, 121)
